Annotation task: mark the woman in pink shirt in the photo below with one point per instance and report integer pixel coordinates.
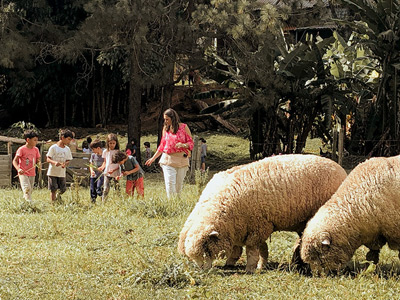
(175, 146)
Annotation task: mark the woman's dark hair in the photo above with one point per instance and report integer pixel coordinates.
(174, 120)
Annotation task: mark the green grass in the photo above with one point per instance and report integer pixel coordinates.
(126, 249)
(224, 146)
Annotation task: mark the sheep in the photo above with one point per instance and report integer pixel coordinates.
(244, 205)
(365, 210)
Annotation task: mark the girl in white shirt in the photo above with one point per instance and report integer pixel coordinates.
(110, 171)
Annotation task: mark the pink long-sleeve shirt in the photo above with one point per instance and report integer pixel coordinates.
(169, 140)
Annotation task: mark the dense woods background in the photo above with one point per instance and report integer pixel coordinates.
(296, 67)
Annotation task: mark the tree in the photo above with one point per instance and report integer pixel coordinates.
(378, 26)
(283, 88)
(34, 77)
(140, 38)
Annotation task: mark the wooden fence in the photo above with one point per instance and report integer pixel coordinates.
(6, 160)
(78, 169)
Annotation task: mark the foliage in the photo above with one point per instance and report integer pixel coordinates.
(17, 129)
(284, 87)
(378, 28)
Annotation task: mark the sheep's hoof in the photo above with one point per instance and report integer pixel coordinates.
(250, 270)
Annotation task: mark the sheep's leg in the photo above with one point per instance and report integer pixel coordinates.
(252, 254)
(375, 248)
(296, 259)
(373, 255)
(234, 256)
(262, 262)
(297, 262)
(256, 247)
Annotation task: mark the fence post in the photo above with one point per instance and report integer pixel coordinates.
(195, 158)
(10, 166)
(340, 146)
(40, 173)
(334, 143)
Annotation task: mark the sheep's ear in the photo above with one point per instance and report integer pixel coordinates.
(214, 233)
(326, 242)
(325, 239)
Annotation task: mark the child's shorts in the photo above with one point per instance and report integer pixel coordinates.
(57, 183)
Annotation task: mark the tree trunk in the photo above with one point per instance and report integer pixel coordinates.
(305, 130)
(135, 104)
(65, 110)
(94, 101)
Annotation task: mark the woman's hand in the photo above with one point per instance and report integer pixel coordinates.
(149, 161)
(180, 145)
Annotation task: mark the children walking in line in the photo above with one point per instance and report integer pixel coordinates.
(25, 161)
(110, 170)
(58, 157)
(133, 172)
(96, 176)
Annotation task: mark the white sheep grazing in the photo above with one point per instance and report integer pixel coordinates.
(365, 210)
(244, 205)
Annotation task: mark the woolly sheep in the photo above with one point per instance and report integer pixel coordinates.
(244, 205)
(365, 210)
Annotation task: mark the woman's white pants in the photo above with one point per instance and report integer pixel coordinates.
(173, 178)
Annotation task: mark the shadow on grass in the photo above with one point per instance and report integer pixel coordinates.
(382, 271)
(271, 266)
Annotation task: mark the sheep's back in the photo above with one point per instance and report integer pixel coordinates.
(287, 189)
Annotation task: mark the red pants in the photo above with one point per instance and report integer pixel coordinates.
(132, 184)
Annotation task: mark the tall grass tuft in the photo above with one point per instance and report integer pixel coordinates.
(201, 179)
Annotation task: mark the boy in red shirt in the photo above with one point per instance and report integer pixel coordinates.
(25, 161)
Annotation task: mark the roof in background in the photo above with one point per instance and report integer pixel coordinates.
(303, 3)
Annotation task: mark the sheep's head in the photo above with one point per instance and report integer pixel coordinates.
(323, 252)
(204, 247)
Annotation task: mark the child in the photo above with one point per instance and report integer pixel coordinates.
(133, 172)
(147, 156)
(111, 170)
(58, 157)
(147, 153)
(73, 146)
(203, 154)
(131, 148)
(96, 176)
(25, 160)
(85, 147)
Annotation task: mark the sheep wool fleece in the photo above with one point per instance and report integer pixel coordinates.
(365, 210)
(245, 204)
